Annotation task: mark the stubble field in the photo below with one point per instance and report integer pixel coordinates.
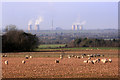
(45, 67)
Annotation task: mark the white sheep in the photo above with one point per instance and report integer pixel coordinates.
(26, 56)
(85, 61)
(6, 62)
(61, 56)
(82, 57)
(78, 57)
(75, 56)
(94, 61)
(110, 60)
(23, 61)
(89, 58)
(30, 56)
(72, 55)
(104, 60)
(89, 61)
(69, 56)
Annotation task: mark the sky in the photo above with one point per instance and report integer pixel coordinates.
(92, 15)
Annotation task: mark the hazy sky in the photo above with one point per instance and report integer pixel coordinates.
(94, 15)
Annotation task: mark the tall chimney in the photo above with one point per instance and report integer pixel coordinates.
(37, 27)
(29, 27)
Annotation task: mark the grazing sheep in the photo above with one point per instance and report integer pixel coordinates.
(98, 60)
(23, 62)
(94, 61)
(30, 56)
(5, 55)
(78, 57)
(73, 55)
(110, 60)
(82, 56)
(89, 61)
(85, 61)
(26, 57)
(104, 60)
(6, 62)
(56, 61)
(69, 56)
(61, 56)
(89, 58)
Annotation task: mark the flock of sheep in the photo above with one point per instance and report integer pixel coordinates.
(23, 61)
(89, 60)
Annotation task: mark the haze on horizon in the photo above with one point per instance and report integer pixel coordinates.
(93, 15)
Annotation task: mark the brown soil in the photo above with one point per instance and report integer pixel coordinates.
(67, 68)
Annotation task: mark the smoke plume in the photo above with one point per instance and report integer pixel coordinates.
(30, 22)
(38, 20)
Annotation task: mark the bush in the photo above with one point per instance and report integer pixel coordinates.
(17, 40)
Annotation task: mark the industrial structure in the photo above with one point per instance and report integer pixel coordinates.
(29, 27)
(77, 26)
(37, 27)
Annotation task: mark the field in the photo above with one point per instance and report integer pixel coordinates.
(43, 65)
(44, 46)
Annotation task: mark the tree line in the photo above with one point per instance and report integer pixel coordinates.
(15, 40)
(86, 42)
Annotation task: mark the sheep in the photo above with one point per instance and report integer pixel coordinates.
(85, 61)
(94, 61)
(5, 55)
(89, 61)
(26, 56)
(104, 60)
(69, 56)
(98, 60)
(61, 56)
(73, 55)
(89, 58)
(30, 56)
(23, 61)
(6, 62)
(110, 60)
(56, 61)
(78, 57)
(82, 56)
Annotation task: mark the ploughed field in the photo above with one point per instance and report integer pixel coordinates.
(45, 66)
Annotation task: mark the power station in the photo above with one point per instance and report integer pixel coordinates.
(37, 27)
(30, 27)
(77, 26)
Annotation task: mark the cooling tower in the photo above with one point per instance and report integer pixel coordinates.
(77, 27)
(80, 28)
(37, 27)
(73, 27)
(29, 27)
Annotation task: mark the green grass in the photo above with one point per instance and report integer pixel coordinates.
(44, 46)
(54, 48)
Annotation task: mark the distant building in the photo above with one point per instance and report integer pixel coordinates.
(29, 27)
(73, 27)
(76, 26)
(59, 28)
(37, 27)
